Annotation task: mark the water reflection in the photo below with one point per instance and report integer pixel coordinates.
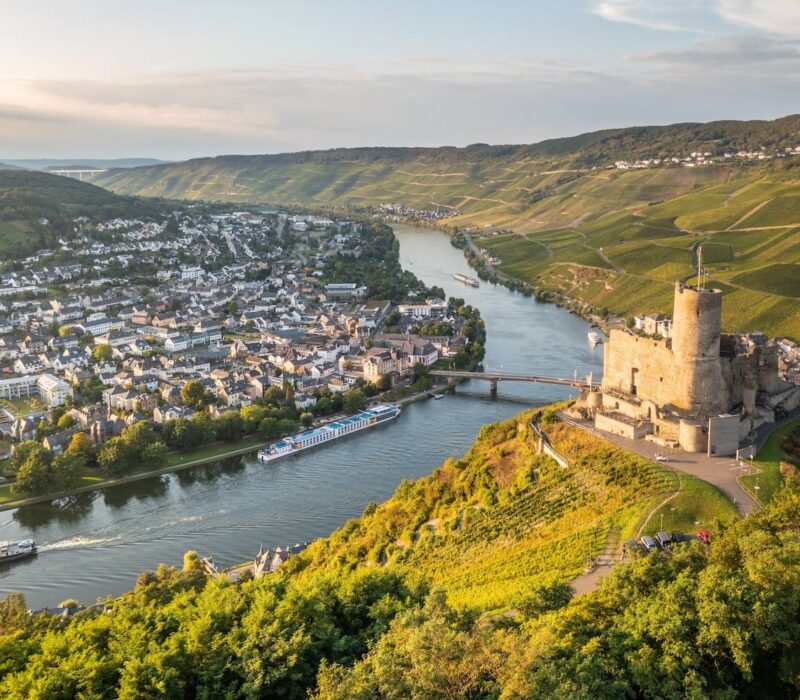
(117, 497)
(64, 511)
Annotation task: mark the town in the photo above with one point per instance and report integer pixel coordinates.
(138, 338)
(700, 158)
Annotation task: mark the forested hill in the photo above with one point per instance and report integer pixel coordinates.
(28, 197)
(369, 175)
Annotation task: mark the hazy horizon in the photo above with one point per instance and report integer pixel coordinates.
(249, 78)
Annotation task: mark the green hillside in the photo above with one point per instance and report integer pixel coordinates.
(455, 588)
(488, 527)
(27, 197)
(615, 239)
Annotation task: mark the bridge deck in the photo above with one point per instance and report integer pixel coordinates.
(580, 383)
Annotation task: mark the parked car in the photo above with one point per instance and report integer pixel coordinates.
(648, 543)
(662, 458)
(704, 536)
(680, 537)
(663, 539)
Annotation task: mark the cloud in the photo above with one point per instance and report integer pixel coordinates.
(425, 103)
(671, 16)
(777, 17)
(749, 56)
(780, 17)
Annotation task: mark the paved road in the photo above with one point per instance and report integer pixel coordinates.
(719, 471)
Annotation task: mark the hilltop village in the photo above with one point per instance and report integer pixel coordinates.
(246, 322)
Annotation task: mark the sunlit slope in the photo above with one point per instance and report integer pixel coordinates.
(490, 525)
(525, 194)
(748, 230)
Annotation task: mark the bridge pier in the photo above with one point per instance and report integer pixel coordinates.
(493, 388)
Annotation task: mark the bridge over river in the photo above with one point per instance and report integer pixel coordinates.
(495, 377)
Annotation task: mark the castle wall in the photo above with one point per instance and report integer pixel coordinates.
(638, 366)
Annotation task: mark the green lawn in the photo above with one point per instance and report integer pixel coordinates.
(698, 506)
(21, 407)
(768, 460)
(176, 459)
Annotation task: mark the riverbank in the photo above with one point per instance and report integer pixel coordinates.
(179, 461)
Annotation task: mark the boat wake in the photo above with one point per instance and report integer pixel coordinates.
(76, 542)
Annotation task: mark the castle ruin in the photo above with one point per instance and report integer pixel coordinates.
(700, 389)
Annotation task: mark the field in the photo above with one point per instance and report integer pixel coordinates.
(780, 279)
(489, 526)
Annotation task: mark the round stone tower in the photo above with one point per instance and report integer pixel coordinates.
(696, 325)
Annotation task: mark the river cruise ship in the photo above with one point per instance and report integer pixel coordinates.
(466, 279)
(301, 441)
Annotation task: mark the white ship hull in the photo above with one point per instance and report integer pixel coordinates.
(332, 431)
(466, 279)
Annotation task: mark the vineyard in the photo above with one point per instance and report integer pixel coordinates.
(491, 525)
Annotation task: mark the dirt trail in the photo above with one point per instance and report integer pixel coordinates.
(749, 214)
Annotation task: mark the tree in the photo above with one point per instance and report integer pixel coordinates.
(56, 412)
(102, 352)
(81, 445)
(114, 457)
(193, 394)
(41, 472)
(229, 426)
(66, 469)
(274, 395)
(21, 453)
(252, 415)
(421, 370)
(545, 597)
(153, 455)
(354, 400)
(139, 435)
(269, 428)
(66, 421)
(33, 475)
(306, 419)
(384, 382)
(460, 360)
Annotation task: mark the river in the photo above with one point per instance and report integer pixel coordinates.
(96, 544)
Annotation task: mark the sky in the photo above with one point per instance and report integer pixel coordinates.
(175, 80)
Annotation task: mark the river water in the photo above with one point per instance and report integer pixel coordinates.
(97, 543)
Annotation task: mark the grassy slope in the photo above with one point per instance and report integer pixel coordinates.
(490, 525)
(768, 461)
